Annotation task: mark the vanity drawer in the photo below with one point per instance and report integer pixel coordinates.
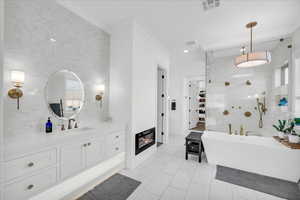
(114, 138)
(30, 186)
(28, 164)
(115, 148)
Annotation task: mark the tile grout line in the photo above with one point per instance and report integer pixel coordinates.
(169, 184)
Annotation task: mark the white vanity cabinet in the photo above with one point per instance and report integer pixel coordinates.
(78, 156)
(55, 158)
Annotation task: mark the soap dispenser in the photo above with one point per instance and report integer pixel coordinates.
(49, 126)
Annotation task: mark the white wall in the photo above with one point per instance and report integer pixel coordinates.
(120, 98)
(148, 54)
(135, 56)
(80, 47)
(1, 90)
(296, 42)
(121, 72)
(183, 66)
(296, 58)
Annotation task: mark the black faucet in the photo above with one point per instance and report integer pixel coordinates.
(69, 124)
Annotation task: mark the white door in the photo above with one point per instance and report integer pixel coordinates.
(72, 159)
(94, 152)
(161, 104)
(193, 104)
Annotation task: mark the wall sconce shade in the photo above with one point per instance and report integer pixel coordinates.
(100, 92)
(17, 78)
(100, 88)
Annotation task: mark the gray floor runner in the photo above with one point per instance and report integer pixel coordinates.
(277, 187)
(117, 187)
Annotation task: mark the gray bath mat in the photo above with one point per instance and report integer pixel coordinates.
(276, 187)
(117, 187)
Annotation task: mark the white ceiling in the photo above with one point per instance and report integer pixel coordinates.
(174, 22)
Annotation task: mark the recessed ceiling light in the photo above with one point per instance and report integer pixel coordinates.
(185, 51)
(52, 40)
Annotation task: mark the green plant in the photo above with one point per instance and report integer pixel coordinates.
(290, 129)
(281, 126)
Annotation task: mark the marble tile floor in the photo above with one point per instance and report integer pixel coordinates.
(168, 176)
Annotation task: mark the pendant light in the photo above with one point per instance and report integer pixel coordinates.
(252, 59)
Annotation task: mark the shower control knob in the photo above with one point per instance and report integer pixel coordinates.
(31, 164)
(30, 187)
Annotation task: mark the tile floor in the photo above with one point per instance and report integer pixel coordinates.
(168, 176)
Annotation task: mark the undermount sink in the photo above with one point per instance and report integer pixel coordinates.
(77, 130)
(85, 128)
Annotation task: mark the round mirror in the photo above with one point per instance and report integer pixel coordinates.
(64, 94)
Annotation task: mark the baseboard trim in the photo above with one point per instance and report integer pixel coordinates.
(78, 185)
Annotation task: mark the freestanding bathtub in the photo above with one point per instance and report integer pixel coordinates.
(261, 155)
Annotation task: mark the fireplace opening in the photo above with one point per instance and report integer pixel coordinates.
(144, 140)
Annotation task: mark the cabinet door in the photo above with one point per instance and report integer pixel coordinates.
(72, 159)
(94, 151)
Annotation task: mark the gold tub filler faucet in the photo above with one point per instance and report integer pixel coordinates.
(242, 131)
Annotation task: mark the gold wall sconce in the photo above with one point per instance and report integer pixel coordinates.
(17, 78)
(100, 93)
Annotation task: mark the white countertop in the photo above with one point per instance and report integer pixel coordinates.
(17, 146)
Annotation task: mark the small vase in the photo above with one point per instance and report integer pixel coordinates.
(294, 139)
(280, 135)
